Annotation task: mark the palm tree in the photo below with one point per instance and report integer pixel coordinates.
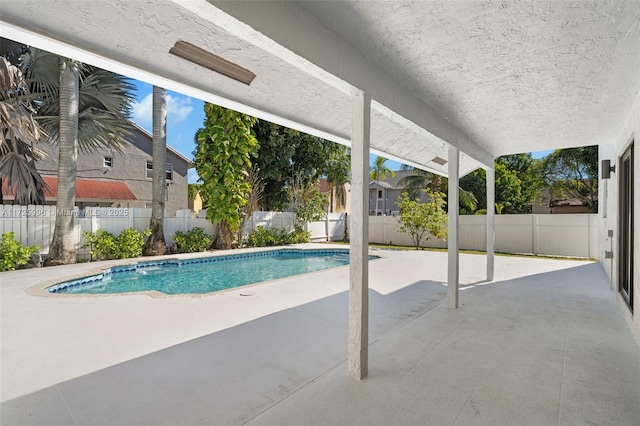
(20, 132)
(379, 171)
(80, 107)
(156, 244)
(420, 179)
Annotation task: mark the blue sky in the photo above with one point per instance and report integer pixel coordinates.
(185, 116)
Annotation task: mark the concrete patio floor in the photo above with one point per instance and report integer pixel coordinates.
(545, 343)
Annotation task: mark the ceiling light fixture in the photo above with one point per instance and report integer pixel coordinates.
(199, 56)
(440, 161)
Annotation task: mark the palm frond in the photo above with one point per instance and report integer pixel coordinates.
(20, 133)
(105, 100)
(21, 174)
(468, 199)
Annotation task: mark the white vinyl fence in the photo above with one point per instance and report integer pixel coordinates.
(34, 224)
(572, 235)
(556, 235)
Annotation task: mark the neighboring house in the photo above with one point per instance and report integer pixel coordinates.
(107, 178)
(195, 204)
(551, 205)
(323, 187)
(384, 194)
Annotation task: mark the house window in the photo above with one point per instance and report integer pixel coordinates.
(107, 162)
(380, 194)
(169, 171)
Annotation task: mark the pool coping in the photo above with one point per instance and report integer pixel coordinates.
(41, 290)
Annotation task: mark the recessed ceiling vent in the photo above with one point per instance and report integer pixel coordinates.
(440, 161)
(199, 56)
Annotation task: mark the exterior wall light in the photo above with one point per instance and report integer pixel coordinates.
(607, 169)
(199, 56)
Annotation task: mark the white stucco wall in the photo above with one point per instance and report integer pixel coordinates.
(608, 205)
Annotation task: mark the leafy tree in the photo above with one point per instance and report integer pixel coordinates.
(307, 202)
(420, 179)
(155, 244)
(80, 107)
(274, 163)
(517, 180)
(573, 173)
(224, 149)
(379, 171)
(527, 170)
(422, 220)
(287, 154)
(253, 200)
(338, 173)
(20, 133)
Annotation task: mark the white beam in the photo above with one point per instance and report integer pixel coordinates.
(491, 219)
(334, 61)
(359, 238)
(453, 244)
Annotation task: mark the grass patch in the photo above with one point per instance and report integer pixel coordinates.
(444, 250)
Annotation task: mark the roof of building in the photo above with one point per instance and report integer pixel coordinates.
(391, 182)
(86, 190)
(190, 163)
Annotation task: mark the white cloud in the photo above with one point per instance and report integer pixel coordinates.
(142, 111)
(178, 109)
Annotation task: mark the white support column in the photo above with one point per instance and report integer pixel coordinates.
(453, 245)
(359, 238)
(491, 221)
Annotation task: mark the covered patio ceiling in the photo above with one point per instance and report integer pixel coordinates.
(489, 78)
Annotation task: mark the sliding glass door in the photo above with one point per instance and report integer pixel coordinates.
(625, 259)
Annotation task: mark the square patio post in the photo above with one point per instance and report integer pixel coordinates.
(491, 221)
(359, 238)
(453, 244)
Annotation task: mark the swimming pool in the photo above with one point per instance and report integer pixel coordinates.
(205, 274)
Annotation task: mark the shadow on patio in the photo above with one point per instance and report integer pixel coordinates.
(551, 348)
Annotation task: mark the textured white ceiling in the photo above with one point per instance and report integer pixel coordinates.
(514, 76)
(490, 78)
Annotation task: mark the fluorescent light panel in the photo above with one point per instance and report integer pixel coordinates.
(440, 161)
(199, 56)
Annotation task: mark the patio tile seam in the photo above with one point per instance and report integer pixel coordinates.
(372, 343)
(564, 365)
(295, 391)
(66, 406)
(497, 350)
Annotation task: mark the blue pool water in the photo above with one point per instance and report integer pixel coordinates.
(205, 275)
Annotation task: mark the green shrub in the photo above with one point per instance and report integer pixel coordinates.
(12, 254)
(300, 236)
(261, 237)
(105, 246)
(194, 240)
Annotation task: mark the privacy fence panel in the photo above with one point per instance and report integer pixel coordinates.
(573, 235)
(183, 224)
(283, 220)
(555, 235)
(514, 233)
(566, 235)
